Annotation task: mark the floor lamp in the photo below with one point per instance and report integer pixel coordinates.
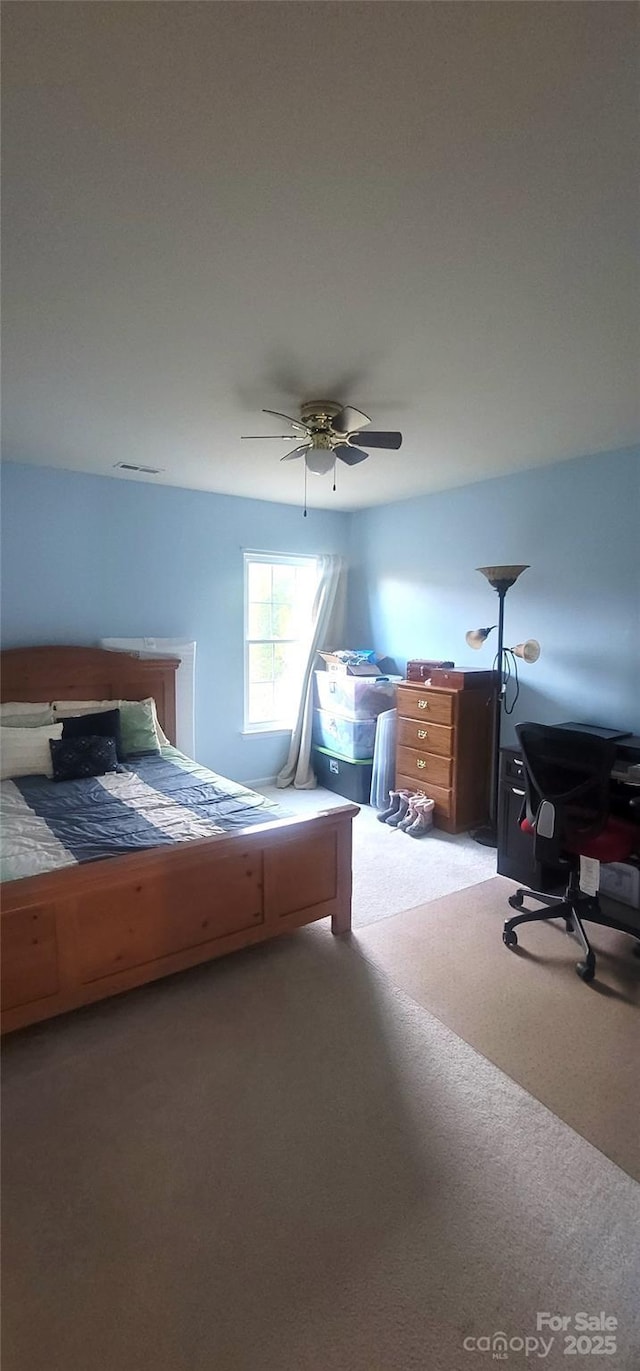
(501, 578)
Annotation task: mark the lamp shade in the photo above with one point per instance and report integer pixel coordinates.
(502, 577)
(529, 651)
(477, 636)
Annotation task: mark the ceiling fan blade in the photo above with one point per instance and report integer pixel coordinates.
(349, 420)
(290, 437)
(297, 452)
(389, 440)
(320, 461)
(295, 423)
(350, 455)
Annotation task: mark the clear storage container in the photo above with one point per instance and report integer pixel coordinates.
(351, 738)
(356, 697)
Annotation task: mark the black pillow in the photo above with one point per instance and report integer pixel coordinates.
(74, 759)
(103, 725)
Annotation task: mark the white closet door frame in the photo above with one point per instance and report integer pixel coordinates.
(185, 679)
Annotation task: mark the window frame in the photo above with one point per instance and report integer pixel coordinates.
(303, 559)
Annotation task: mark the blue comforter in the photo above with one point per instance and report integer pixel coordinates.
(154, 801)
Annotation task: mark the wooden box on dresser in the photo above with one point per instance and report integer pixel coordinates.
(444, 744)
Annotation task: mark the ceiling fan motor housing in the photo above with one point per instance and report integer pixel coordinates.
(317, 414)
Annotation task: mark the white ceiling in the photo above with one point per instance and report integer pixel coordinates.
(426, 210)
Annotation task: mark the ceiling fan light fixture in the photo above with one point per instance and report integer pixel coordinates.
(319, 460)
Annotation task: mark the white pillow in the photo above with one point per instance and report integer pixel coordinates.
(162, 737)
(26, 751)
(24, 714)
(27, 720)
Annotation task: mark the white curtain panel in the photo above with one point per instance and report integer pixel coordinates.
(185, 679)
(328, 628)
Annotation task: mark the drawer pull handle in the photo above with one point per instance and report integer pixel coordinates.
(422, 733)
(423, 704)
(420, 763)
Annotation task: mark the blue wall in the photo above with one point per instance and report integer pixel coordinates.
(86, 557)
(414, 591)
(90, 557)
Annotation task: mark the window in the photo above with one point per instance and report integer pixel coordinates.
(279, 595)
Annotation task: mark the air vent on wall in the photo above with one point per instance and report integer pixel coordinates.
(148, 471)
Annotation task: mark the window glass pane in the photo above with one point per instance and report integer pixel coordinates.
(289, 661)
(285, 583)
(260, 620)
(285, 701)
(307, 581)
(286, 657)
(284, 621)
(261, 704)
(259, 581)
(260, 662)
(279, 603)
(287, 698)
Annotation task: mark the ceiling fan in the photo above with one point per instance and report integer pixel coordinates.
(327, 431)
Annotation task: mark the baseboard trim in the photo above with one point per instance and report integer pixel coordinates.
(262, 781)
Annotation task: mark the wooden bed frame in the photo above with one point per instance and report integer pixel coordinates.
(85, 932)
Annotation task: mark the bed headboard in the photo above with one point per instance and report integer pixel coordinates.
(90, 673)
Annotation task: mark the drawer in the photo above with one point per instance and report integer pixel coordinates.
(512, 768)
(424, 767)
(443, 798)
(423, 736)
(436, 705)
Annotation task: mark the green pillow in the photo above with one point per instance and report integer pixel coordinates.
(138, 726)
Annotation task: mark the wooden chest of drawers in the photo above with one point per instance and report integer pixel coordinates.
(444, 745)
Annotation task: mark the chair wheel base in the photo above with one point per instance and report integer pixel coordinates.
(586, 970)
(516, 901)
(509, 937)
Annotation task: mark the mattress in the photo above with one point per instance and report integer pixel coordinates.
(155, 801)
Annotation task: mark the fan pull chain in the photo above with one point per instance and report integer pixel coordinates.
(305, 489)
(334, 475)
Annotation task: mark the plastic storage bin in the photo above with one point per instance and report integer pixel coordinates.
(352, 738)
(384, 759)
(622, 882)
(351, 779)
(356, 697)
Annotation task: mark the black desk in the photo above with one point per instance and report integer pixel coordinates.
(515, 848)
(627, 754)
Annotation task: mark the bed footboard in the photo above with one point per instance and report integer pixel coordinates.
(84, 933)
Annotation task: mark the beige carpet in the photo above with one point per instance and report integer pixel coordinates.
(573, 1046)
(392, 871)
(280, 1163)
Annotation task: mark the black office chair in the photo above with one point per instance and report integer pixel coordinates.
(567, 778)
